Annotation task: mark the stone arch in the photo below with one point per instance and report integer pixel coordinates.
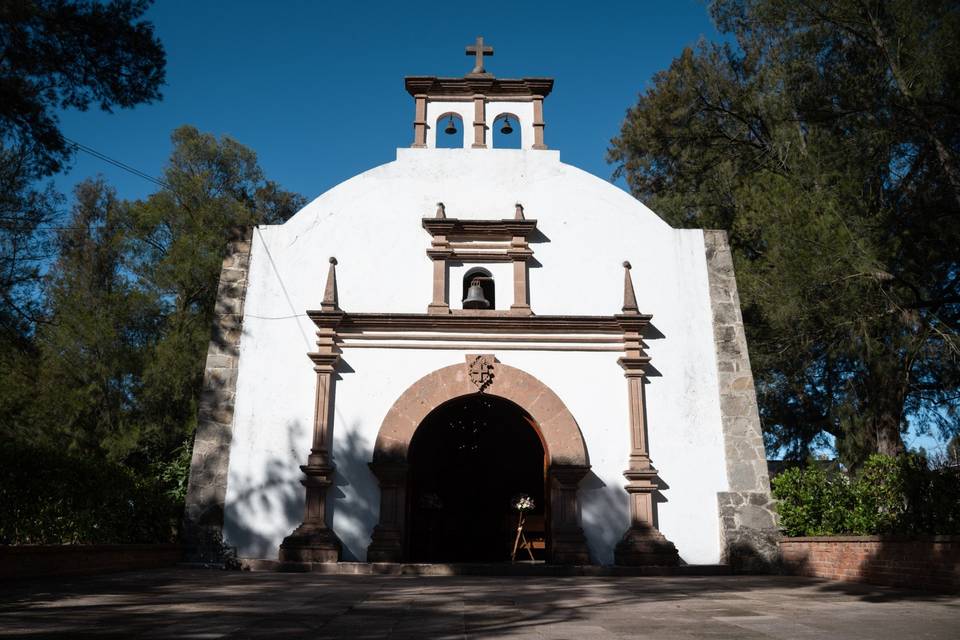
(566, 452)
(561, 435)
(513, 140)
(441, 139)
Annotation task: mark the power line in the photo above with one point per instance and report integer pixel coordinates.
(116, 163)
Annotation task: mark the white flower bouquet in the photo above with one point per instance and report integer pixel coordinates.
(522, 502)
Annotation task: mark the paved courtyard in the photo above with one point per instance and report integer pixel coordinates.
(186, 603)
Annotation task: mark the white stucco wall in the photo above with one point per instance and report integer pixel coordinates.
(371, 223)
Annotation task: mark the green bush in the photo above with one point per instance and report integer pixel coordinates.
(888, 495)
(50, 497)
(812, 503)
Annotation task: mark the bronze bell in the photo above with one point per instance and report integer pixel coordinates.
(475, 298)
(451, 128)
(507, 129)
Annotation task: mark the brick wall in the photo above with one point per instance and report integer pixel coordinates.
(926, 563)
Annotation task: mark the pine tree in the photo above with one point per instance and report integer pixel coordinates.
(826, 142)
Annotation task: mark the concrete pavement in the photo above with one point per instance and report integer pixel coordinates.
(191, 603)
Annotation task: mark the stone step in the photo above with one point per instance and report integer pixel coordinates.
(479, 569)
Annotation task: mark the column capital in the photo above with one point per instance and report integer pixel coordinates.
(520, 255)
(439, 254)
(634, 366)
(568, 473)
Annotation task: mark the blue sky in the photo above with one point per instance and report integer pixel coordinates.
(316, 88)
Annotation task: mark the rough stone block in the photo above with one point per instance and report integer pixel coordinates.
(220, 361)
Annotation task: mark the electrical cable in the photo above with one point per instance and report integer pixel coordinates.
(116, 163)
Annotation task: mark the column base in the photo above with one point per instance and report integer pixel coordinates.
(311, 543)
(385, 546)
(569, 547)
(645, 547)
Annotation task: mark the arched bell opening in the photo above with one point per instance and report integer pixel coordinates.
(449, 131)
(484, 293)
(468, 460)
(506, 132)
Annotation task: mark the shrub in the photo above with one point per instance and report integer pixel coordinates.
(813, 503)
(51, 497)
(887, 496)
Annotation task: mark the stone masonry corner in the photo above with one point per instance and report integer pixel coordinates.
(748, 524)
(206, 489)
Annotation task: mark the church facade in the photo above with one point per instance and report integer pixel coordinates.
(420, 345)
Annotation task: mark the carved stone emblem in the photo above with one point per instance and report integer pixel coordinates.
(480, 368)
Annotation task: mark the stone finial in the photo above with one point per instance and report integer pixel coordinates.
(629, 297)
(441, 212)
(519, 212)
(330, 301)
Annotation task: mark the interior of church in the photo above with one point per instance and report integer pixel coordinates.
(469, 460)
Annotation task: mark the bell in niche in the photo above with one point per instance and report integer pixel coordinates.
(506, 129)
(451, 127)
(475, 298)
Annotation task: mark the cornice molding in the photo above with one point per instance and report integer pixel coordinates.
(474, 323)
(467, 87)
(504, 229)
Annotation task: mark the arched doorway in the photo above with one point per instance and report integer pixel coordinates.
(468, 459)
(565, 452)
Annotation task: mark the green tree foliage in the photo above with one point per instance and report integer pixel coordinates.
(886, 496)
(214, 186)
(94, 342)
(56, 54)
(101, 361)
(129, 308)
(60, 54)
(50, 497)
(825, 141)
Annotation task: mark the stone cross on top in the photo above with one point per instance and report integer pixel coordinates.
(478, 51)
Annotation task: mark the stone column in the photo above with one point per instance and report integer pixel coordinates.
(439, 252)
(420, 121)
(642, 544)
(568, 545)
(387, 542)
(520, 304)
(313, 540)
(520, 253)
(440, 303)
(538, 123)
(479, 122)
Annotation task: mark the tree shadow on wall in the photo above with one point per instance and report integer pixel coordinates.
(354, 498)
(277, 498)
(604, 516)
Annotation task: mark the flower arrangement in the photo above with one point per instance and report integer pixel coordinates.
(522, 502)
